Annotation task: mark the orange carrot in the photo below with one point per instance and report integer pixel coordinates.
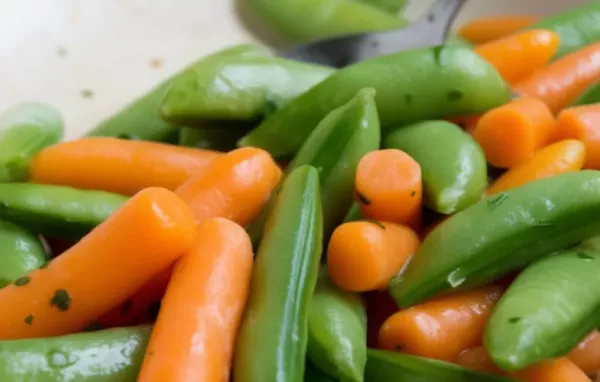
(559, 83)
(558, 158)
(512, 133)
(196, 329)
(149, 232)
(388, 187)
(558, 370)
(365, 255)
(441, 328)
(118, 165)
(582, 123)
(478, 359)
(486, 29)
(140, 308)
(586, 355)
(234, 186)
(518, 56)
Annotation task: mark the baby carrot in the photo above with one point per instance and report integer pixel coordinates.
(485, 29)
(365, 255)
(141, 307)
(441, 328)
(144, 236)
(118, 165)
(558, 370)
(234, 186)
(561, 82)
(558, 158)
(582, 123)
(586, 355)
(512, 133)
(388, 187)
(196, 329)
(518, 56)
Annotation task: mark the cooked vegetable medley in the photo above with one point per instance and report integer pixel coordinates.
(432, 215)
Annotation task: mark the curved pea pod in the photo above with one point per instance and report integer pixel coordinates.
(453, 165)
(337, 331)
(309, 20)
(237, 88)
(577, 27)
(141, 118)
(590, 96)
(211, 138)
(56, 210)
(501, 234)
(391, 366)
(20, 253)
(411, 86)
(25, 129)
(334, 148)
(547, 310)
(391, 6)
(273, 336)
(113, 355)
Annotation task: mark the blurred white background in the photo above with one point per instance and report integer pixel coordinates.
(90, 57)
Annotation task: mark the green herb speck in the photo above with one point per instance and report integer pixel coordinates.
(61, 299)
(376, 222)
(514, 320)
(413, 193)
(496, 201)
(29, 319)
(585, 256)
(87, 93)
(455, 95)
(22, 281)
(362, 198)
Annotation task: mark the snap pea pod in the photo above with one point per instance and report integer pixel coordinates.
(211, 138)
(391, 6)
(334, 149)
(113, 355)
(56, 210)
(590, 96)
(503, 233)
(411, 86)
(237, 88)
(551, 306)
(354, 213)
(20, 252)
(453, 165)
(25, 129)
(396, 367)
(576, 27)
(337, 331)
(272, 340)
(141, 118)
(308, 20)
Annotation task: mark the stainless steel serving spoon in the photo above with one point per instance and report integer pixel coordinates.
(430, 29)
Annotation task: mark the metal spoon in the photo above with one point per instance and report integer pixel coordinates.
(429, 30)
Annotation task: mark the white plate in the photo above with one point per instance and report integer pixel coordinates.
(90, 57)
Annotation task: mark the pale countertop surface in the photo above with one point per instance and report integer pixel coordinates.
(90, 57)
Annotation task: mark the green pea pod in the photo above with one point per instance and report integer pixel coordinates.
(547, 310)
(576, 27)
(309, 20)
(56, 210)
(337, 331)
(411, 86)
(141, 118)
(238, 88)
(272, 340)
(384, 366)
(20, 252)
(590, 96)
(25, 129)
(453, 165)
(335, 148)
(501, 234)
(390, 6)
(354, 213)
(113, 355)
(211, 139)
(314, 374)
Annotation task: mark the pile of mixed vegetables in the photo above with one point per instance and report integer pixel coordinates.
(427, 216)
